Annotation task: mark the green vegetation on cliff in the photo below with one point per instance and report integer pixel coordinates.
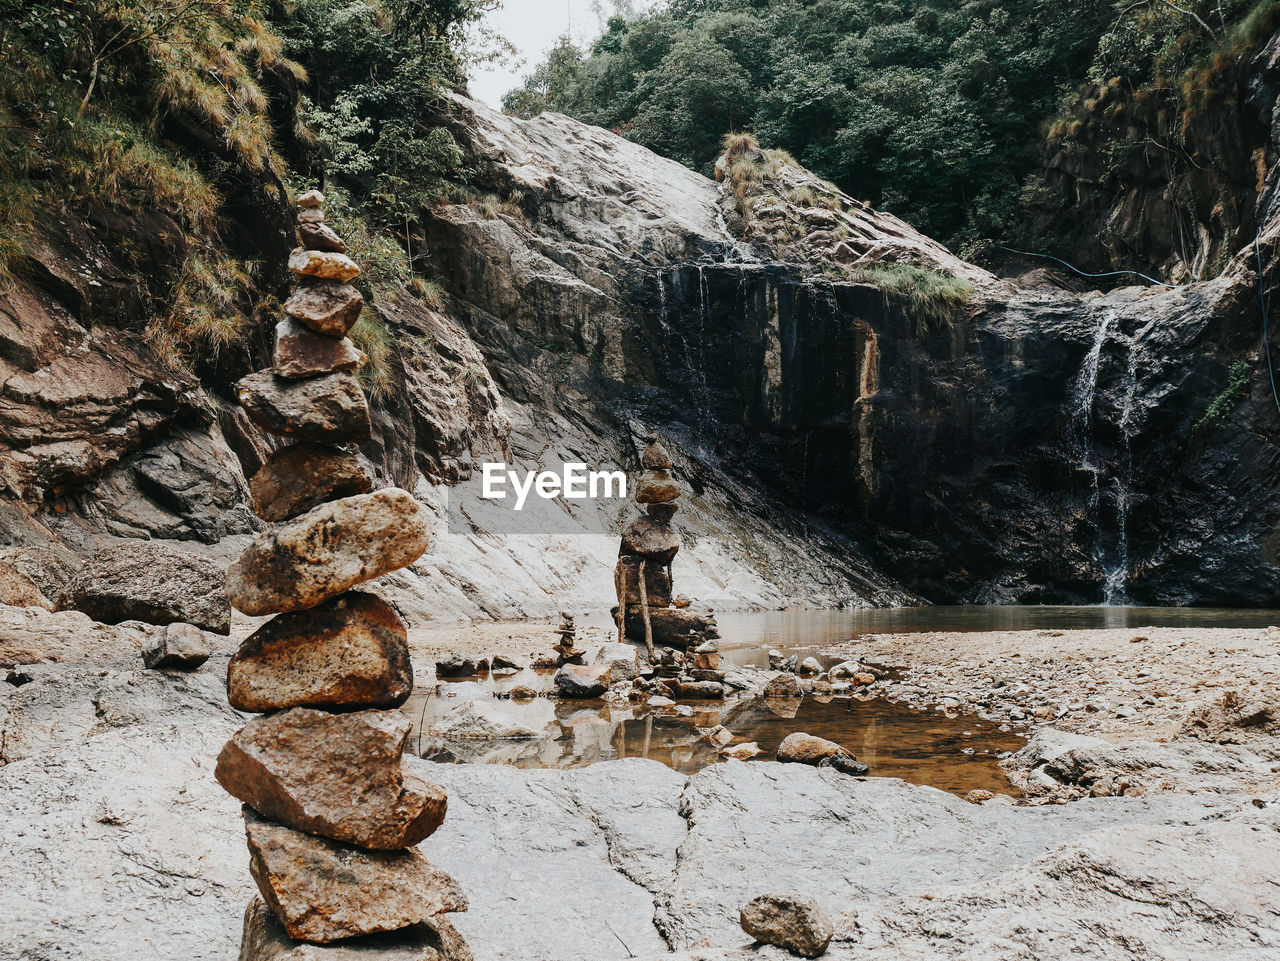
(933, 110)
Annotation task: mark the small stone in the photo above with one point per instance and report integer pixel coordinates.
(845, 669)
(301, 352)
(654, 541)
(313, 558)
(338, 776)
(582, 682)
(979, 796)
(776, 660)
(296, 479)
(501, 664)
(790, 921)
(322, 265)
(681, 602)
(310, 199)
(329, 409)
(655, 456)
(662, 513)
(327, 308)
(660, 701)
(784, 685)
(481, 721)
(183, 647)
(801, 748)
(809, 667)
(719, 735)
(310, 215)
(264, 939)
(699, 691)
(622, 660)
(742, 752)
(522, 692)
(351, 652)
(455, 665)
(864, 678)
(323, 890)
(320, 237)
(656, 487)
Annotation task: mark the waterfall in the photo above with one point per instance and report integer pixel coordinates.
(1115, 496)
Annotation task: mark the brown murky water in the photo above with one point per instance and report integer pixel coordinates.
(957, 754)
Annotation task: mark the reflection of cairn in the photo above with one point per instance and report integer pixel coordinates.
(332, 817)
(642, 577)
(567, 651)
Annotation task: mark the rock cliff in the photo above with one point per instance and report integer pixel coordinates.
(845, 441)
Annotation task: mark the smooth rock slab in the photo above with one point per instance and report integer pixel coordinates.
(790, 921)
(322, 265)
(306, 561)
(149, 582)
(330, 409)
(326, 307)
(180, 646)
(335, 775)
(296, 479)
(324, 891)
(350, 652)
(301, 352)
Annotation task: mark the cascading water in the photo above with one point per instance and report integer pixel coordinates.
(1111, 499)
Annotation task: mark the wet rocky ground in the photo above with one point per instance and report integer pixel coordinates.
(118, 843)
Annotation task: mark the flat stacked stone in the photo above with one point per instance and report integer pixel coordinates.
(332, 817)
(642, 577)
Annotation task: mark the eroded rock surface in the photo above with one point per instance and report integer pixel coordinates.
(298, 478)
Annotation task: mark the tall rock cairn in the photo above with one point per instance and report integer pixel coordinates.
(642, 577)
(331, 815)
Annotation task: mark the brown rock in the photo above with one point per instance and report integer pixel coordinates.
(655, 456)
(150, 582)
(296, 479)
(790, 921)
(338, 776)
(327, 308)
(183, 647)
(784, 685)
(662, 513)
(329, 409)
(320, 237)
(324, 890)
(801, 748)
(310, 199)
(301, 352)
(311, 215)
(651, 539)
(310, 559)
(656, 487)
(657, 582)
(18, 590)
(671, 626)
(348, 653)
(264, 939)
(322, 265)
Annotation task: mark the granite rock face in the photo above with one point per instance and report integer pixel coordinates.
(350, 652)
(325, 891)
(314, 558)
(152, 583)
(335, 775)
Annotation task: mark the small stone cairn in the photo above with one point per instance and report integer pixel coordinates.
(642, 581)
(331, 815)
(567, 650)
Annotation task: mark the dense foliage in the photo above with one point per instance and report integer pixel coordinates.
(934, 110)
(177, 106)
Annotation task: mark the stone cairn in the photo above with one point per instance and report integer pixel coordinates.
(331, 815)
(642, 577)
(567, 650)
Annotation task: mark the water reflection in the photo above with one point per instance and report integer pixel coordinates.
(954, 754)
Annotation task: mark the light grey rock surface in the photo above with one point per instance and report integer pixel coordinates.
(112, 820)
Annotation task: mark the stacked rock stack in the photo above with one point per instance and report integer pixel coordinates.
(642, 577)
(331, 815)
(567, 650)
